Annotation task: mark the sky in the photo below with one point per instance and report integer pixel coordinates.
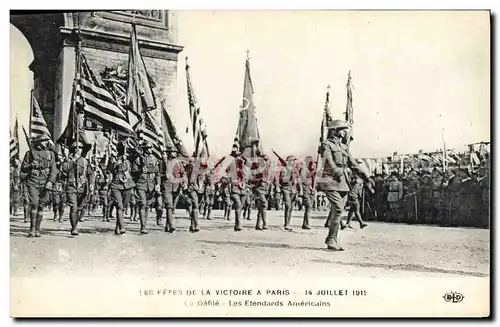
(415, 74)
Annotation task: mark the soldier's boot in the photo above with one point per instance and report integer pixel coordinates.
(15, 209)
(120, 217)
(32, 223)
(259, 218)
(264, 219)
(55, 214)
(73, 217)
(194, 221)
(142, 217)
(39, 218)
(332, 238)
(362, 224)
(159, 214)
(288, 218)
(170, 223)
(26, 214)
(61, 212)
(134, 213)
(209, 211)
(237, 220)
(248, 213)
(305, 222)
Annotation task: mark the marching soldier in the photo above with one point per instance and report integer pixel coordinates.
(334, 179)
(247, 205)
(191, 190)
(238, 192)
(78, 184)
(354, 198)
(260, 186)
(288, 183)
(103, 180)
(145, 168)
(171, 176)
(209, 194)
(306, 190)
(121, 185)
(225, 192)
(58, 193)
(39, 168)
(15, 186)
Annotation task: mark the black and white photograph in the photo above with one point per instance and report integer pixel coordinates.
(250, 163)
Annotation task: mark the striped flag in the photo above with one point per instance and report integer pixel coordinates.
(98, 103)
(38, 123)
(170, 137)
(14, 142)
(197, 125)
(149, 131)
(140, 97)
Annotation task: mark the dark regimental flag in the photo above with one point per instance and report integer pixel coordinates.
(197, 125)
(327, 116)
(247, 132)
(14, 142)
(349, 109)
(140, 97)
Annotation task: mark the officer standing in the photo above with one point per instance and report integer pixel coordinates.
(78, 185)
(306, 190)
(145, 169)
(39, 168)
(333, 182)
(121, 185)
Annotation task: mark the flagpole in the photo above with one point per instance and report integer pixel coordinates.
(444, 150)
(321, 138)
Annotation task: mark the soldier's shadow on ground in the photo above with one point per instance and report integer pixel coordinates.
(247, 244)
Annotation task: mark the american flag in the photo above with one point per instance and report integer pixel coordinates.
(151, 132)
(197, 124)
(349, 110)
(14, 142)
(38, 123)
(98, 103)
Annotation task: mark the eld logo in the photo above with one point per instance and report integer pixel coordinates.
(453, 297)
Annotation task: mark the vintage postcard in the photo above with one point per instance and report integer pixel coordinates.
(182, 163)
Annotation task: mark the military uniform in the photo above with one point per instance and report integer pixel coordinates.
(288, 182)
(247, 204)
(209, 195)
(145, 169)
(354, 199)
(171, 175)
(59, 192)
(78, 187)
(15, 187)
(261, 183)
(192, 190)
(39, 166)
(225, 192)
(394, 196)
(333, 181)
(238, 192)
(103, 181)
(121, 186)
(307, 191)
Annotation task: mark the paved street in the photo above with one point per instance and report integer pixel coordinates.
(380, 250)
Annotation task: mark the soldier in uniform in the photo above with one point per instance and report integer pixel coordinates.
(58, 193)
(171, 176)
(247, 205)
(225, 192)
(394, 196)
(209, 194)
(103, 180)
(145, 169)
(354, 199)
(78, 184)
(40, 172)
(238, 187)
(437, 196)
(191, 190)
(15, 186)
(260, 187)
(334, 179)
(306, 190)
(288, 182)
(121, 185)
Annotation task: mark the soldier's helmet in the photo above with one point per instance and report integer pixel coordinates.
(291, 157)
(338, 124)
(145, 144)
